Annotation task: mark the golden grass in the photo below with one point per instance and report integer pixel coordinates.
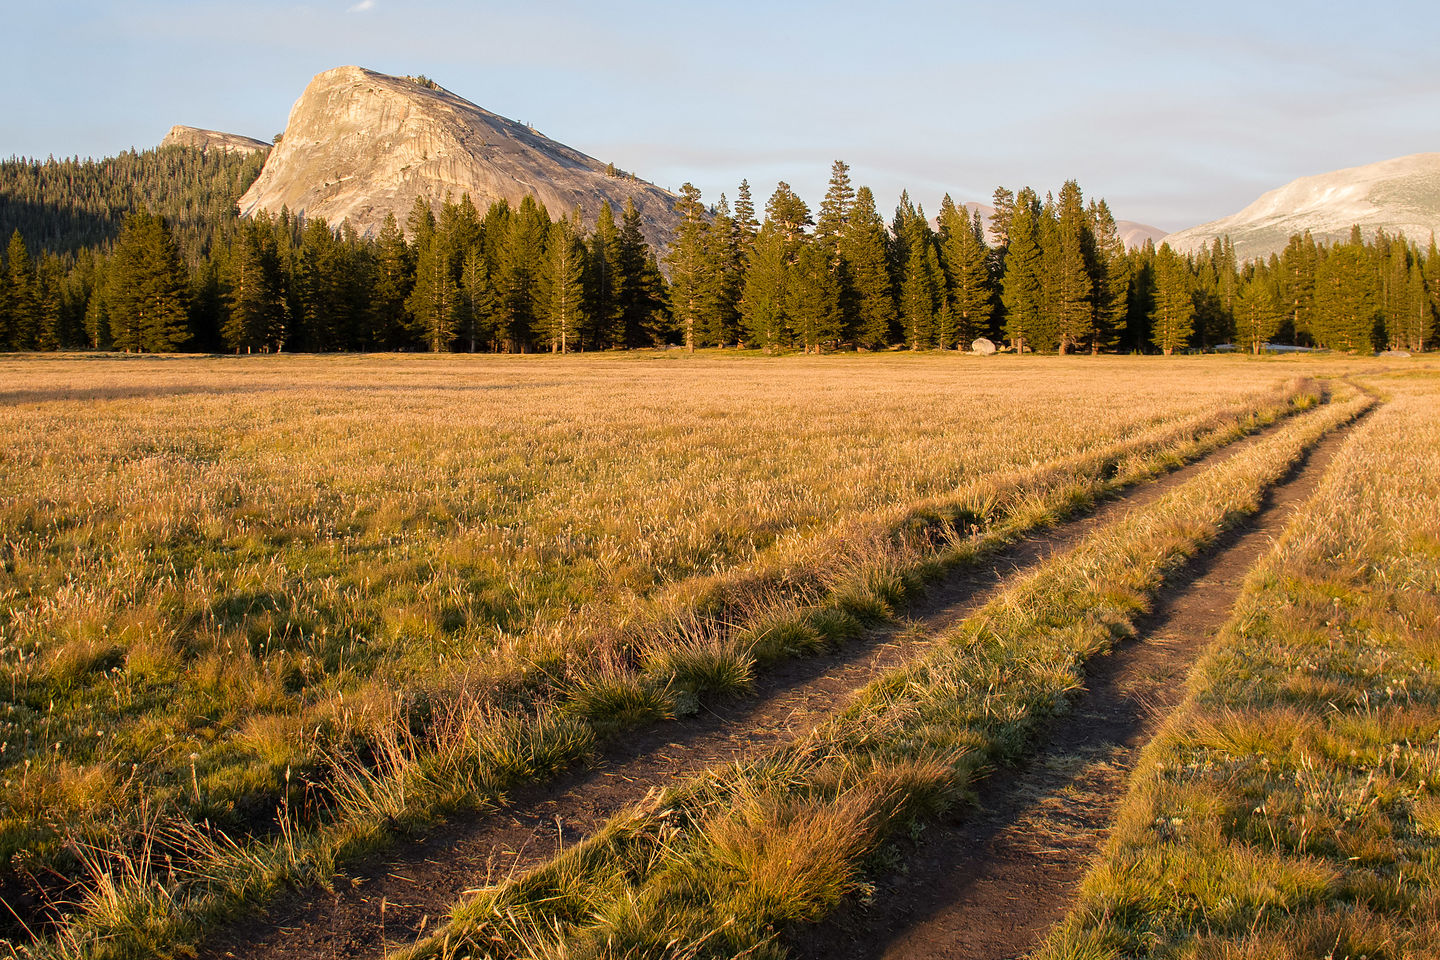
(263, 592)
(794, 828)
(1288, 810)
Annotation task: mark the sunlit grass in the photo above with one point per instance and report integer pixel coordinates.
(1288, 811)
(277, 596)
(719, 864)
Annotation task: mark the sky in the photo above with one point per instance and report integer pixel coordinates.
(1176, 113)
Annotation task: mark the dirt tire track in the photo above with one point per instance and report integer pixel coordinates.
(387, 900)
(990, 881)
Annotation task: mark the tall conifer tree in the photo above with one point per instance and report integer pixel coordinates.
(641, 286)
(604, 327)
(477, 298)
(1021, 290)
(1172, 320)
(434, 301)
(517, 279)
(872, 290)
(920, 286)
(1257, 313)
(394, 277)
(725, 278)
(1110, 277)
(150, 287)
(22, 302)
(1346, 298)
(690, 263)
(813, 297)
(564, 286)
(254, 289)
(1074, 307)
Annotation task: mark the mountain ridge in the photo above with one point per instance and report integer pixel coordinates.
(1398, 195)
(202, 139)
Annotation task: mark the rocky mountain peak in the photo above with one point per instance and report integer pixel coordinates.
(361, 144)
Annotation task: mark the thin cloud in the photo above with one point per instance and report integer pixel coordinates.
(362, 6)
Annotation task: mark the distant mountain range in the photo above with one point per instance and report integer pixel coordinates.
(1398, 196)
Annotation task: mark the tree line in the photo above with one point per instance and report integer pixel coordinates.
(1044, 274)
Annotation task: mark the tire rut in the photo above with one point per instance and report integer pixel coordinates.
(388, 899)
(990, 881)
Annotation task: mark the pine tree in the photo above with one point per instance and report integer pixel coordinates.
(967, 277)
(641, 286)
(774, 252)
(689, 262)
(394, 278)
(1393, 261)
(920, 286)
(5, 304)
(834, 212)
(253, 290)
(1140, 301)
(49, 293)
(724, 279)
(477, 298)
(563, 284)
(872, 290)
(1431, 272)
(1346, 299)
(1172, 320)
(460, 222)
(1297, 264)
(1021, 290)
(22, 303)
(434, 301)
(1257, 312)
(1110, 279)
(1003, 201)
(420, 224)
(813, 298)
(323, 320)
(1418, 325)
(97, 318)
(745, 217)
(762, 307)
(1227, 277)
(149, 287)
(1074, 291)
(517, 280)
(602, 277)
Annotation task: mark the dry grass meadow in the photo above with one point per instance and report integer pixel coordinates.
(254, 610)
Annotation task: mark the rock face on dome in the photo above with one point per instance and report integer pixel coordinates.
(183, 136)
(1400, 195)
(361, 144)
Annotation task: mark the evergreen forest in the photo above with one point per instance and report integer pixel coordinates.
(146, 252)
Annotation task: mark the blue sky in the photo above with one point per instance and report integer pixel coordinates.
(1176, 113)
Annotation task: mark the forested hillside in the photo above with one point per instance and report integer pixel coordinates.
(61, 206)
(187, 273)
